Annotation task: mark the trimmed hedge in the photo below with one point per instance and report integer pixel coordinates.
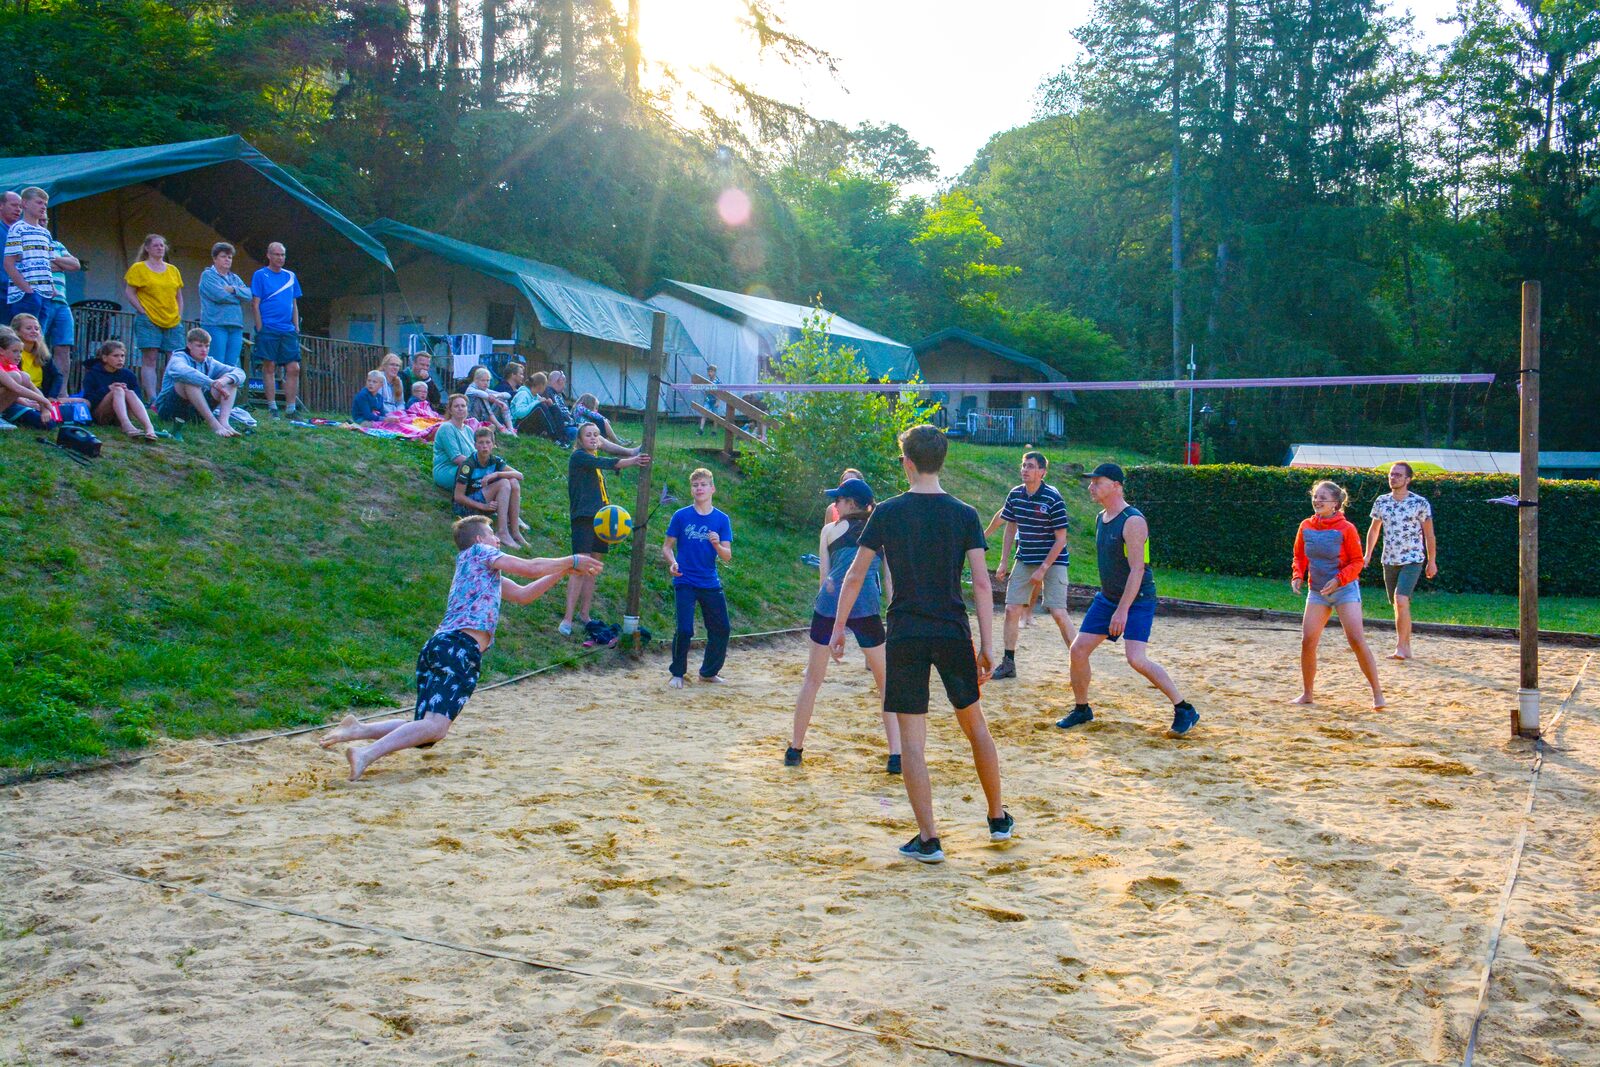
(1240, 519)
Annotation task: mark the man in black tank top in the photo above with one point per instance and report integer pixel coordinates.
(1125, 607)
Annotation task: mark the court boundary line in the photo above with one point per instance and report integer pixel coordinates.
(1514, 867)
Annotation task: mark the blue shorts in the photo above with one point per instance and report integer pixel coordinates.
(477, 497)
(147, 334)
(277, 346)
(1097, 620)
(447, 673)
(57, 324)
(1349, 593)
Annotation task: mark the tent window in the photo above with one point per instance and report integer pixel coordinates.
(364, 329)
(502, 321)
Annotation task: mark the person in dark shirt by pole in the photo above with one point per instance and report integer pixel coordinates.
(586, 495)
(926, 536)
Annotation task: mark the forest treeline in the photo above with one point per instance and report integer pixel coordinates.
(1349, 201)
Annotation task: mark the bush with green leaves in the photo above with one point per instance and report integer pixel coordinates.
(813, 436)
(1234, 518)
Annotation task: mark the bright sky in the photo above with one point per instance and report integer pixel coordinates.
(950, 71)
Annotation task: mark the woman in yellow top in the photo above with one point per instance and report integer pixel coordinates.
(155, 289)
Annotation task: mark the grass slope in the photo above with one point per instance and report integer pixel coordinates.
(207, 587)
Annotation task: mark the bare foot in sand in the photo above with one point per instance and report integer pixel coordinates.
(357, 764)
(345, 731)
(1303, 698)
(1400, 653)
(1378, 703)
(715, 679)
(676, 683)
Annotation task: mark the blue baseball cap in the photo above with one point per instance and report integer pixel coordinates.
(852, 489)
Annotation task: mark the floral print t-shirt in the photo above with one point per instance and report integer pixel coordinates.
(1402, 527)
(475, 593)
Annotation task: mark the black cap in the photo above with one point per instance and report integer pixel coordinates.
(852, 489)
(1106, 470)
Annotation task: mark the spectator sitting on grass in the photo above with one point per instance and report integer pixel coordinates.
(21, 402)
(588, 410)
(112, 392)
(368, 405)
(36, 362)
(486, 404)
(421, 363)
(395, 391)
(486, 485)
(452, 443)
(419, 405)
(514, 380)
(194, 380)
(544, 419)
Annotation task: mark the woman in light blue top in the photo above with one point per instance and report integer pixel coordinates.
(837, 548)
(222, 297)
(452, 443)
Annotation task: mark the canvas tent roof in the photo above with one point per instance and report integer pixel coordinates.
(561, 300)
(247, 202)
(781, 322)
(994, 348)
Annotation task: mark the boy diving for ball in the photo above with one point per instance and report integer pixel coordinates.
(447, 668)
(697, 537)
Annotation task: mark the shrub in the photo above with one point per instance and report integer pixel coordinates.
(1240, 519)
(813, 436)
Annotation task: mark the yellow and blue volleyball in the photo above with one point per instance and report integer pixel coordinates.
(612, 524)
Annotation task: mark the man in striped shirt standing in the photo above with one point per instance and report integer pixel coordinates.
(1036, 525)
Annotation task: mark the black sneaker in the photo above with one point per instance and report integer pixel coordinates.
(791, 756)
(893, 766)
(1006, 669)
(922, 851)
(1000, 829)
(1080, 715)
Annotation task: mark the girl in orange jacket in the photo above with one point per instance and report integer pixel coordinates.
(1327, 564)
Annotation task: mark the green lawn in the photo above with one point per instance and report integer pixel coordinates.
(205, 587)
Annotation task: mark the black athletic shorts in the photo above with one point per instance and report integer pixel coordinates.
(584, 542)
(447, 673)
(908, 661)
(868, 630)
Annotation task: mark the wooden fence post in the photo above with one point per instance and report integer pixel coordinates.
(641, 500)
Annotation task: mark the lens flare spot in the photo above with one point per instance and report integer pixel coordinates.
(733, 207)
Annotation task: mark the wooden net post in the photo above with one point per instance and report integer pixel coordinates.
(641, 500)
(1525, 716)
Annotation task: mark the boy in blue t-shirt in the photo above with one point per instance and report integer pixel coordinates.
(697, 537)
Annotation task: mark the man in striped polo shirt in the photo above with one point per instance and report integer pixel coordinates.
(1036, 523)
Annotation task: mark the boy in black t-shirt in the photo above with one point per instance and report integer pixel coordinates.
(586, 494)
(926, 536)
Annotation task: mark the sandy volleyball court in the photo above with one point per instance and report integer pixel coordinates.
(1290, 885)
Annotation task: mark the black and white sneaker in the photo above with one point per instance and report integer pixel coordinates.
(922, 851)
(1000, 829)
(791, 756)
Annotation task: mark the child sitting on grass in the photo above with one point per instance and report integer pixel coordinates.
(486, 483)
(587, 409)
(487, 405)
(21, 402)
(112, 392)
(448, 666)
(419, 402)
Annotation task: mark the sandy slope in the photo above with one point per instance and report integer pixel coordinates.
(1291, 885)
